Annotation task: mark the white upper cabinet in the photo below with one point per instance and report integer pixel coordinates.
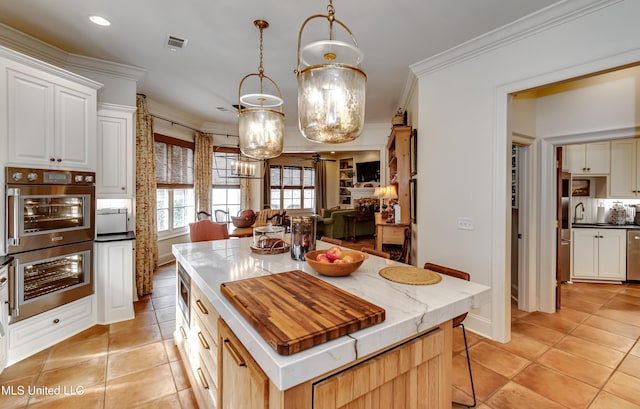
(589, 159)
(51, 115)
(624, 181)
(114, 173)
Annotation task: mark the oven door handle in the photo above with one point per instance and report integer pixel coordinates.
(13, 290)
(13, 196)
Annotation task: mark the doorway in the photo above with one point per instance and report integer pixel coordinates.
(542, 271)
(521, 233)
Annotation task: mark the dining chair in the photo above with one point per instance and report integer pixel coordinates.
(331, 240)
(277, 219)
(375, 252)
(457, 321)
(206, 230)
(400, 253)
(202, 215)
(221, 216)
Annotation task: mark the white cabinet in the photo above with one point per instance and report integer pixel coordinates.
(51, 115)
(599, 254)
(114, 281)
(197, 342)
(115, 141)
(590, 159)
(41, 331)
(624, 181)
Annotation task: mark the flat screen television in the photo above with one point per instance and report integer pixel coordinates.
(368, 171)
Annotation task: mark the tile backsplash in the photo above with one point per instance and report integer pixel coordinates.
(591, 207)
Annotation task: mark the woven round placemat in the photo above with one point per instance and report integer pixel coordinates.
(410, 275)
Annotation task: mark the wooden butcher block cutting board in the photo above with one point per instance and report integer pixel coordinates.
(294, 311)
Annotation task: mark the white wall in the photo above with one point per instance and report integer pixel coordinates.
(464, 148)
(608, 102)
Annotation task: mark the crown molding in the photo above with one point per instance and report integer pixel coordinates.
(594, 136)
(527, 26)
(112, 69)
(47, 67)
(26, 44)
(39, 50)
(408, 90)
(115, 107)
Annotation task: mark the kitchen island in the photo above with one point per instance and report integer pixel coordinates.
(406, 355)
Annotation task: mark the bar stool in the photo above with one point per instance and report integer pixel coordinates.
(457, 321)
(375, 252)
(331, 240)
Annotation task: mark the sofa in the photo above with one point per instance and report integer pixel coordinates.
(333, 224)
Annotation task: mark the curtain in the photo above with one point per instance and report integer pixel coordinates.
(146, 232)
(203, 166)
(266, 186)
(321, 185)
(245, 194)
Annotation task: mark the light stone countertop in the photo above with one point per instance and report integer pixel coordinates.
(409, 309)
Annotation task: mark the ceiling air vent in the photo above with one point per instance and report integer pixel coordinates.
(176, 43)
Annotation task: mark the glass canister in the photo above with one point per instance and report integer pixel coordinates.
(618, 214)
(264, 236)
(303, 236)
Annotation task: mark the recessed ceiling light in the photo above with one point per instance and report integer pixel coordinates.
(99, 20)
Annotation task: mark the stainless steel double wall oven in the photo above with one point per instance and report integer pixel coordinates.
(50, 233)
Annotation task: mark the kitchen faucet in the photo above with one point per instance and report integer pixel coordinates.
(575, 212)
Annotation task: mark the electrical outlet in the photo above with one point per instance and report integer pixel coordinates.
(465, 223)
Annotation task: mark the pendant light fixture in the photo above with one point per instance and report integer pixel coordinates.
(331, 86)
(260, 115)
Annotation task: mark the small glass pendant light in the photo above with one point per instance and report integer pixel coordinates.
(260, 115)
(331, 86)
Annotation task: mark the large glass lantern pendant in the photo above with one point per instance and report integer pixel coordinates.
(331, 86)
(260, 115)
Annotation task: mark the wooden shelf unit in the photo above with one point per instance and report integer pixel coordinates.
(399, 156)
(346, 172)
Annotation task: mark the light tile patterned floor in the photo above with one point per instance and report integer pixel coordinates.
(124, 365)
(585, 356)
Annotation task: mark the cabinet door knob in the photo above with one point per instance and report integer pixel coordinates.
(52, 159)
(123, 188)
(59, 159)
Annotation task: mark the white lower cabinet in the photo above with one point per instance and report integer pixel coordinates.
(41, 331)
(197, 339)
(114, 281)
(599, 254)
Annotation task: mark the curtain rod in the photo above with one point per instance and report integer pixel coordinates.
(193, 129)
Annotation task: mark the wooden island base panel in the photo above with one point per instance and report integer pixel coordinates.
(414, 374)
(404, 361)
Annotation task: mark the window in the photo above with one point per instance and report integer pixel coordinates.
(174, 177)
(292, 187)
(226, 185)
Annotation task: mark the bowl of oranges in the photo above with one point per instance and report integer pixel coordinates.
(335, 261)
